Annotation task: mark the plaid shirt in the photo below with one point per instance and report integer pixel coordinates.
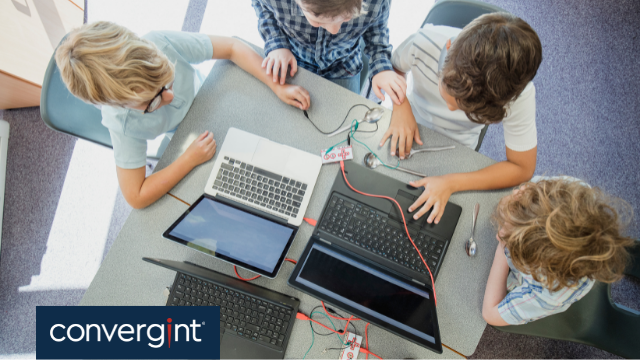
(283, 25)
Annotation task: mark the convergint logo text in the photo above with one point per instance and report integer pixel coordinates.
(153, 333)
(127, 332)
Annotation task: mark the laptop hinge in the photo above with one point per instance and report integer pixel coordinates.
(419, 282)
(323, 240)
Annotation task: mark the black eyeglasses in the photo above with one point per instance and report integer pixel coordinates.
(155, 102)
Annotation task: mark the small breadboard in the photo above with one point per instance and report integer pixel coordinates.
(351, 352)
(336, 154)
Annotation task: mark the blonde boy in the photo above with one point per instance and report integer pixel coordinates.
(146, 86)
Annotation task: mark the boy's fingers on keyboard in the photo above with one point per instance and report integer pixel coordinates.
(427, 205)
(436, 214)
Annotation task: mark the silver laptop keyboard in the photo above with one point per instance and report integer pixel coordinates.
(260, 187)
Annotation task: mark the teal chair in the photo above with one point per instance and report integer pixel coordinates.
(594, 320)
(63, 112)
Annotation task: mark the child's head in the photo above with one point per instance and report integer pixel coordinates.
(562, 230)
(106, 64)
(330, 14)
(489, 64)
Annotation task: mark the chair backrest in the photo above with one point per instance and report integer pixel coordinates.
(594, 320)
(458, 13)
(63, 112)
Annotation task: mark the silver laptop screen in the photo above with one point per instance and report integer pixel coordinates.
(220, 229)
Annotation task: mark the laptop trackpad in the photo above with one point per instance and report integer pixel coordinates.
(405, 200)
(235, 347)
(270, 155)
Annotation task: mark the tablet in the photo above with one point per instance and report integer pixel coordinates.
(369, 291)
(234, 233)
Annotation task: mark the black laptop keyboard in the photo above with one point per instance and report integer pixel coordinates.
(240, 313)
(260, 187)
(377, 233)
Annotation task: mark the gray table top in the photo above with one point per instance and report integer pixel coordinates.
(232, 98)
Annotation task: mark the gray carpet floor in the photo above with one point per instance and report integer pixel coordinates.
(587, 101)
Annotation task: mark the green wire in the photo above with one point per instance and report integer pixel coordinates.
(352, 132)
(348, 343)
(312, 340)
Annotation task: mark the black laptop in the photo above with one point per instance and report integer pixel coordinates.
(360, 259)
(255, 322)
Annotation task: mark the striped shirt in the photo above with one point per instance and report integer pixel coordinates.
(419, 54)
(528, 300)
(283, 25)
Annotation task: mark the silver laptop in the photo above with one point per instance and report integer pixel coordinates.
(257, 172)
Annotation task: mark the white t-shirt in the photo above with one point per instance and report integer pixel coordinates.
(419, 54)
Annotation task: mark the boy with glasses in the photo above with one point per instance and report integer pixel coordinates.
(145, 87)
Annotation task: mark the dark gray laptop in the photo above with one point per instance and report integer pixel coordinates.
(360, 259)
(255, 322)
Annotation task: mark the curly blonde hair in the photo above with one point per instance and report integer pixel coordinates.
(561, 230)
(104, 63)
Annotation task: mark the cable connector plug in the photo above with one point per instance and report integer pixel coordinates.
(301, 316)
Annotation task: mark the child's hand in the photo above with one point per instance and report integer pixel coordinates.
(278, 60)
(392, 83)
(201, 149)
(437, 192)
(403, 130)
(294, 95)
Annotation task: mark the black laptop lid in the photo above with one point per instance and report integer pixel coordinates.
(369, 291)
(234, 233)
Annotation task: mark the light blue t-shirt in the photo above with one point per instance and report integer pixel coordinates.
(130, 129)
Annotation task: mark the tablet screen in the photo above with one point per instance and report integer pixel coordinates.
(233, 234)
(369, 290)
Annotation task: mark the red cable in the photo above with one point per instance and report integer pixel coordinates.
(369, 352)
(311, 222)
(301, 316)
(366, 338)
(435, 299)
(257, 276)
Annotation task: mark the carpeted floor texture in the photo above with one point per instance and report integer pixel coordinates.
(587, 106)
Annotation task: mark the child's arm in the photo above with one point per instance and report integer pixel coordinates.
(403, 128)
(518, 168)
(377, 47)
(141, 192)
(496, 289)
(248, 60)
(276, 44)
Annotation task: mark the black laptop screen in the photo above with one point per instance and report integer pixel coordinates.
(220, 229)
(368, 290)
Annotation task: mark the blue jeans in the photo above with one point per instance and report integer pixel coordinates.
(352, 83)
